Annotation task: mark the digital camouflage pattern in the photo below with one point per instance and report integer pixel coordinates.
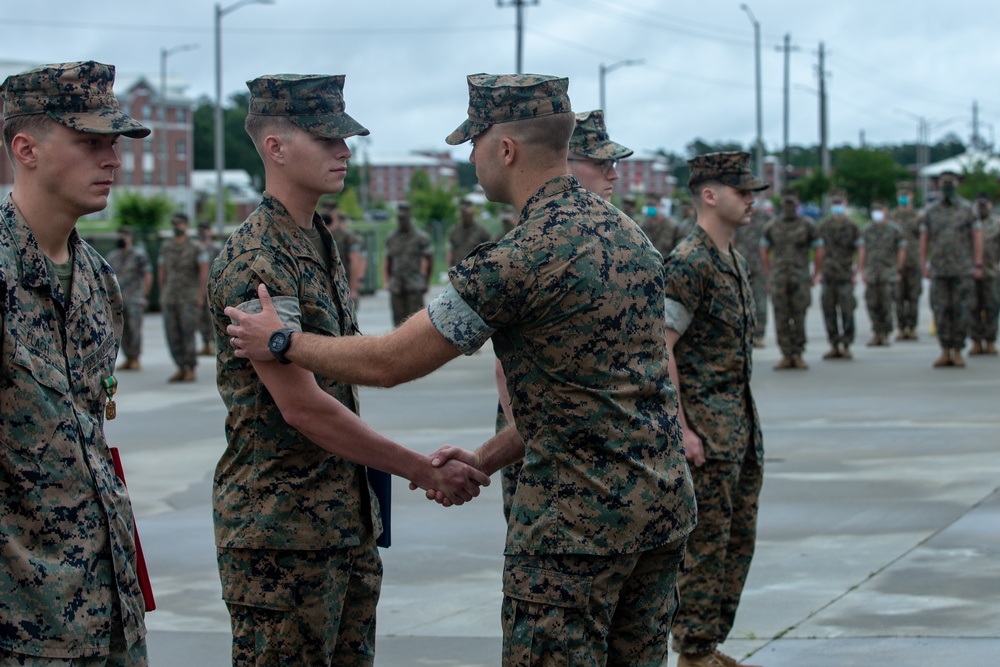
(986, 307)
(274, 488)
(347, 242)
(131, 268)
(881, 241)
(911, 278)
(714, 355)
(66, 536)
(314, 102)
(463, 238)
(509, 97)
(949, 244)
(841, 237)
(747, 242)
(302, 607)
(575, 295)
(949, 238)
(789, 243)
(407, 249)
(730, 168)
(590, 138)
(78, 95)
(181, 258)
(584, 611)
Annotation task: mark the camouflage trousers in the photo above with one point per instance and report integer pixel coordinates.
(719, 551)
(119, 655)
(590, 611)
(181, 323)
(758, 286)
(911, 284)
(405, 304)
(791, 296)
(302, 608)
(131, 345)
(951, 301)
(879, 299)
(206, 327)
(986, 309)
(838, 311)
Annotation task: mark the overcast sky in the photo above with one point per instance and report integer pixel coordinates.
(888, 61)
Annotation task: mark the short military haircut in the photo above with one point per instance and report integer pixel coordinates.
(259, 126)
(180, 217)
(37, 124)
(698, 188)
(551, 132)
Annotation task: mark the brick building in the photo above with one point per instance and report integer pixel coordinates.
(386, 178)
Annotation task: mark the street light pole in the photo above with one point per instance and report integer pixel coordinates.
(603, 72)
(164, 54)
(760, 130)
(519, 5)
(220, 146)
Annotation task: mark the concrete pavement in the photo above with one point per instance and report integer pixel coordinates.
(879, 529)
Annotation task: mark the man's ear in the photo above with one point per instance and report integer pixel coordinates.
(508, 149)
(23, 149)
(274, 148)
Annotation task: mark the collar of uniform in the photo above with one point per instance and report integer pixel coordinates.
(283, 220)
(33, 261)
(553, 187)
(713, 251)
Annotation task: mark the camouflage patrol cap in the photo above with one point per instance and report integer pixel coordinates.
(314, 102)
(510, 97)
(730, 168)
(78, 95)
(590, 138)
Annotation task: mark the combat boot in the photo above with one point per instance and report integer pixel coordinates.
(189, 375)
(884, 340)
(207, 350)
(834, 353)
(903, 334)
(784, 364)
(178, 376)
(943, 360)
(991, 348)
(799, 363)
(846, 353)
(913, 335)
(956, 359)
(875, 341)
(976, 349)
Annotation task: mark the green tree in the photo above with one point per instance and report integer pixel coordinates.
(146, 215)
(208, 208)
(811, 188)
(867, 174)
(979, 179)
(239, 149)
(431, 203)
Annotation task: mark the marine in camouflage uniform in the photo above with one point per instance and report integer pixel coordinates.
(131, 265)
(710, 337)
(183, 272)
(68, 587)
(986, 291)
(911, 278)
(951, 235)
(351, 250)
(205, 326)
(880, 260)
(300, 571)
(466, 235)
(573, 301)
(747, 242)
(784, 247)
(409, 258)
(662, 233)
(840, 242)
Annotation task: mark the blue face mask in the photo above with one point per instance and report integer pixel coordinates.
(903, 200)
(838, 209)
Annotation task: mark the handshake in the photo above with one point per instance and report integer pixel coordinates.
(455, 476)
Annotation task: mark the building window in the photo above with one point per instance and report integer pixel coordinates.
(182, 178)
(147, 178)
(182, 149)
(181, 115)
(147, 112)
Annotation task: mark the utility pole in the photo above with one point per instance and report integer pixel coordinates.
(519, 5)
(760, 132)
(787, 48)
(824, 151)
(977, 142)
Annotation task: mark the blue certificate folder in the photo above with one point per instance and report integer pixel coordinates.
(381, 483)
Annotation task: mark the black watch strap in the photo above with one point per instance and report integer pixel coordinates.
(279, 342)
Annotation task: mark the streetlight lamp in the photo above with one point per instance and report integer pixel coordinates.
(220, 146)
(760, 131)
(164, 54)
(603, 71)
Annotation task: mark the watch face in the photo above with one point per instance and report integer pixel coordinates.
(277, 342)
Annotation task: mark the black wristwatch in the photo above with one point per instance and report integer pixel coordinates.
(278, 344)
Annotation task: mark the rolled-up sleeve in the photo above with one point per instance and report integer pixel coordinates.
(458, 322)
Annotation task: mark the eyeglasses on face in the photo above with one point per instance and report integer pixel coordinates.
(605, 165)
